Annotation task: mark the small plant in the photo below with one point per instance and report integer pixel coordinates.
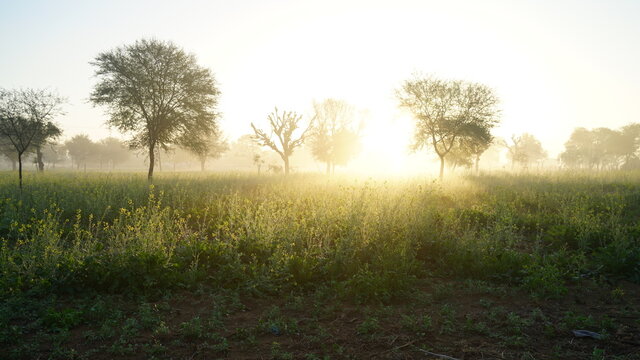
(369, 326)
(193, 328)
(62, 319)
(617, 294)
(544, 281)
(278, 354)
(447, 321)
(598, 354)
(419, 325)
(161, 329)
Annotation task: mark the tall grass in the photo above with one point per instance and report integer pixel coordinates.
(366, 239)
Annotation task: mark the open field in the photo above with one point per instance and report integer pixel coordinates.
(196, 266)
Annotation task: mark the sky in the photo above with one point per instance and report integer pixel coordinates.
(555, 65)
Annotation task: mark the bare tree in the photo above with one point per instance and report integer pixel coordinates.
(158, 93)
(284, 128)
(446, 110)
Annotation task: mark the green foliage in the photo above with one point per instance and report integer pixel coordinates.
(544, 280)
(369, 326)
(365, 241)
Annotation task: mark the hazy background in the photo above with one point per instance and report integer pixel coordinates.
(556, 65)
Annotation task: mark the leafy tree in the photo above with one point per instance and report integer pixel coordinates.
(112, 151)
(177, 155)
(8, 151)
(157, 93)
(602, 148)
(213, 147)
(334, 140)
(629, 144)
(580, 151)
(446, 110)
(284, 126)
(459, 156)
(52, 154)
(524, 150)
(469, 147)
(26, 122)
(81, 149)
(48, 133)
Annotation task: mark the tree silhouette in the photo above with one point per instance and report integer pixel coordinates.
(258, 161)
(602, 148)
(469, 146)
(47, 134)
(52, 154)
(112, 151)
(334, 140)
(26, 121)
(81, 149)
(212, 147)
(158, 93)
(284, 127)
(524, 150)
(9, 152)
(446, 110)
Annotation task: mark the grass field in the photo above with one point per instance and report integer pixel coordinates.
(199, 266)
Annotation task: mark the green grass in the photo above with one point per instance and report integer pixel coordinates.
(354, 239)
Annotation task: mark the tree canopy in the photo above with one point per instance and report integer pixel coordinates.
(81, 149)
(525, 150)
(602, 148)
(334, 139)
(212, 147)
(26, 122)
(446, 111)
(158, 93)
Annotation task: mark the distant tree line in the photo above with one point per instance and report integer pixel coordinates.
(157, 94)
(603, 149)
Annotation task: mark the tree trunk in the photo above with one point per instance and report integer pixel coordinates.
(286, 165)
(152, 161)
(441, 167)
(328, 168)
(259, 169)
(20, 170)
(202, 161)
(39, 161)
(477, 164)
(333, 169)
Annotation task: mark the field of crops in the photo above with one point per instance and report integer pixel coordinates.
(100, 265)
